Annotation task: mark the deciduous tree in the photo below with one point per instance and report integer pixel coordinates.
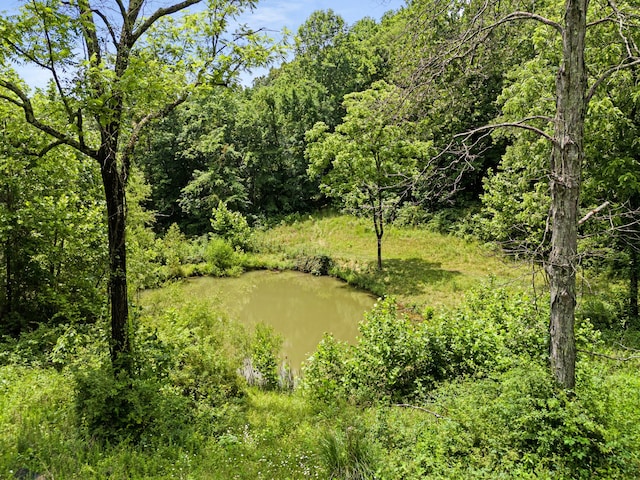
(52, 230)
(115, 67)
(573, 91)
(370, 162)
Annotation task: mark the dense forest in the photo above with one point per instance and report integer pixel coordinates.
(475, 165)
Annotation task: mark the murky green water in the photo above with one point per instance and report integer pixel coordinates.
(300, 307)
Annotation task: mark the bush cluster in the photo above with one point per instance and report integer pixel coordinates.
(221, 252)
(232, 227)
(479, 378)
(168, 385)
(511, 424)
(398, 358)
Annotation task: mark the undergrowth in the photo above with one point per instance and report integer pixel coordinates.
(437, 393)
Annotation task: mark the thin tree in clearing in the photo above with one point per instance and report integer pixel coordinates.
(369, 162)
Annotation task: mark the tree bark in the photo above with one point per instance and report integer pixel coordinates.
(114, 189)
(566, 165)
(8, 279)
(378, 221)
(633, 287)
(8, 255)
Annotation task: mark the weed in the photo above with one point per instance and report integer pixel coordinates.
(348, 454)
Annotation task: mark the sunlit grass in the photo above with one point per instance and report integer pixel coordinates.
(419, 266)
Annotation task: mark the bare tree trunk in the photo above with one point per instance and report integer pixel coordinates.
(566, 164)
(8, 279)
(8, 255)
(633, 247)
(378, 220)
(114, 189)
(633, 288)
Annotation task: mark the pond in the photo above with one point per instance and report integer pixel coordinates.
(300, 307)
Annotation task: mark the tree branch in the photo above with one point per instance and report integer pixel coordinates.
(610, 357)
(161, 12)
(628, 41)
(104, 18)
(25, 104)
(54, 71)
(607, 74)
(526, 16)
(593, 212)
(137, 129)
(50, 147)
(422, 409)
(519, 124)
(89, 31)
(26, 54)
(599, 21)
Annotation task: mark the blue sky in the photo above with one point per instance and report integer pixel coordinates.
(270, 14)
(276, 14)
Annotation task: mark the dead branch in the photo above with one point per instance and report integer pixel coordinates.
(593, 212)
(422, 409)
(626, 347)
(526, 16)
(607, 74)
(610, 357)
(522, 124)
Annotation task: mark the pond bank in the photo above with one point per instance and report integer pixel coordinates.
(299, 307)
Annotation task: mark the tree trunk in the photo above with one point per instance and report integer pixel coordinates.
(114, 189)
(633, 288)
(8, 279)
(566, 165)
(634, 267)
(8, 256)
(378, 221)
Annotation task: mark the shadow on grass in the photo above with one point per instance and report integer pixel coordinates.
(408, 276)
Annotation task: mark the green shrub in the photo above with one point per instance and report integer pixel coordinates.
(391, 360)
(161, 393)
(232, 226)
(264, 356)
(221, 256)
(324, 370)
(520, 417)
(173, 247)
(605, 311)
(493, 328)
(203, 373)
(31, 347)
(116, 404)
(410, 216)
(514, 424)
(398, 358)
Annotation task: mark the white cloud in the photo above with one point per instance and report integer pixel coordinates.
(275, 15)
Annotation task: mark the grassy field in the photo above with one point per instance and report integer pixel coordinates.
(419, 266)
